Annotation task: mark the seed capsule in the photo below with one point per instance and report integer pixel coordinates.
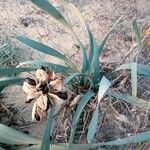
(62, 95)
(30, 81)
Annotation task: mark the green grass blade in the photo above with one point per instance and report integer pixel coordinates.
(103, 87)
(142, 69)
(10, 71)
(10, 81)
(13, 137)
(83, 101)
(140, 137)
(55, 67)
(137, 33)
(130, 99)
(46, 140)
(48, 7)
(41, 47)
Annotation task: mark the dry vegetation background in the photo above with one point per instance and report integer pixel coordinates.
(22, 17)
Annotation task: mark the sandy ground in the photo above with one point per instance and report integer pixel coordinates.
(21, 17)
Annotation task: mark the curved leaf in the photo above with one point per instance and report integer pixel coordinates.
(103, 87)
(85, 62)
(41, 47)
(140, 137)
(48, 7)
(103, 41)
(45, 140)
(142, 69)
(96, 65)
(83, 101)
(71, 77)
(11, 136)
(10, 71)
(61, 146)
(10, 80)
(55, 67)
(130, 99)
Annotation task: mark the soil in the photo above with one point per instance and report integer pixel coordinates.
(21, 17)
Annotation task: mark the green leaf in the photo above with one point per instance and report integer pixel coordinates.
(134, 78)
(41, 47)
(48, 7)
(103, 87)
(46, 137)
(83, 101)
(10, 71)
(85, 62)
(130, 99)
(140, 137)
(74, 75)
(55, 67)
(93, 125)
(103, 41)
(96, 65)
(11, 136)
(137, 33)
(137, 138)
(92, 44)
(10, 80)
(61, 146)
(2, 148)
(142, 69)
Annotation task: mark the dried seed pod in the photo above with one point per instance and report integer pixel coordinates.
(30, 81)
(44, 87)
(56, 99)
(32, 96)
(41, 75)
(57, 84)
(62, 95)
(51, 74)
(28, 88)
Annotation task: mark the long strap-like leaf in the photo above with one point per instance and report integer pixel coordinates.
(48, 7)
(11, 136)
(46, 136)
(10, 81)
(142, 69)
(10, 71)
(83, 101)
(55, 67)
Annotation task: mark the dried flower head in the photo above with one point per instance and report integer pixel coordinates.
(46, 89)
